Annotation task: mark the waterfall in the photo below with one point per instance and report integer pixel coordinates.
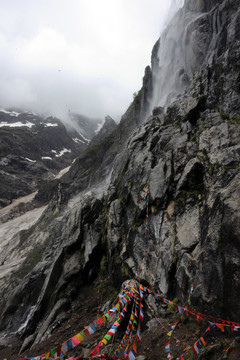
(175, 6)
(177, 57)
(22, 327)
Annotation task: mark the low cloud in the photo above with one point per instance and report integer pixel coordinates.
(84, 56)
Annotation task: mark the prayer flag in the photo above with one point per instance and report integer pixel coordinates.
(70, 344)
(196, 349)
(111, 332)
(91, 329)
(132, 355)
(220, 326)
(80, 336)
(59, 349)
(134, 347)
(99, 321)
(86, 332)
(53, 351)
(107, 337)
(64, 348)
(75, 341)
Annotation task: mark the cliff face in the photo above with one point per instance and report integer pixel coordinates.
(200, 36)
(188, 158)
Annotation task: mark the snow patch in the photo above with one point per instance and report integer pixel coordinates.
(76, 140)
(11, 113)
(62, 152)
(30, 160)
(84, 137)
(50, 124)
(46, 158)
(17, 124)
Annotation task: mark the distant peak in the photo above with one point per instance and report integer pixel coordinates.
(109, 120)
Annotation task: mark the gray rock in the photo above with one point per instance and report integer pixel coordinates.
(158, 111)
(160, 178)
(108, 127)
(192, 174)
(62, 304)
(114, 231)
(151, 324)
(9, 341)
(28, 341)
(3, 343)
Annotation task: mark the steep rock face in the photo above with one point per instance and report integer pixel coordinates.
(95, 164)
(188, 158)
(194, 200)
(55, 256)
(202, 35)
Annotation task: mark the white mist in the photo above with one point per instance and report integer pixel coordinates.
(177, 57)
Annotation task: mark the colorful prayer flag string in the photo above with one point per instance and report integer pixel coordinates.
(134, 295)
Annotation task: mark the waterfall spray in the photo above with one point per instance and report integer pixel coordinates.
(175, 6)
(177, 57)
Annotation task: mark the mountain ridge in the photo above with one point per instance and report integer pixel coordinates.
(34, 149)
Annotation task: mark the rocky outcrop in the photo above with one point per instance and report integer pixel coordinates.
(188, 158)
(108, 127)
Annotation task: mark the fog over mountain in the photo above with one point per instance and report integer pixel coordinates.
(83, 56)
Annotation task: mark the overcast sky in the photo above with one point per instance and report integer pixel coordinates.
(86, 56)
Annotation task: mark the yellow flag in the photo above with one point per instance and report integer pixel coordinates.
(104, 341)
(79, 337)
